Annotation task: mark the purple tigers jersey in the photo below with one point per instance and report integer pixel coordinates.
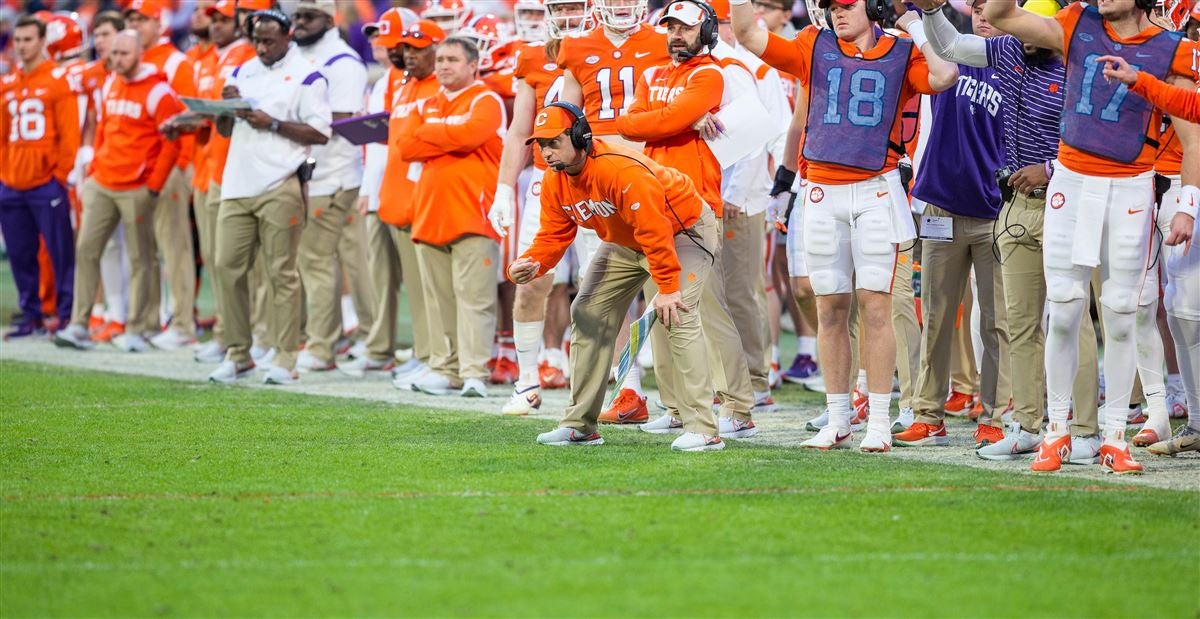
(1099, 117)
(853, 101)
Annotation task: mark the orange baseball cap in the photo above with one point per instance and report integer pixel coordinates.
(423, 34)
(551, 122)
(224, 7)
(721, 8)
(255, 5)
(150, 8)
(389, 27)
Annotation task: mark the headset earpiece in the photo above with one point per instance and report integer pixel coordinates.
(581, 131)
(876, 9)
(708, 27)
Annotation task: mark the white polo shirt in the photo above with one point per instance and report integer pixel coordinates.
(291, 90)
(376, 156)
(339, 163)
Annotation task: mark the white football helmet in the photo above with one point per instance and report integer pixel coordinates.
(568, 17)
(1170, 14)
(529, 16)
(816, 14)
(619, 14)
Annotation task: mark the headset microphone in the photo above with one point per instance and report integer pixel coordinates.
(558, 167)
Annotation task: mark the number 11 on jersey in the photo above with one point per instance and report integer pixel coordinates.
(604, 81)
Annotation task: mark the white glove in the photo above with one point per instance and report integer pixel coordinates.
(501, 214)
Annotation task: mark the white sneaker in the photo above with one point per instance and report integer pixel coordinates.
(403, 355)
(1015, 444)
(877, 440)
(733, 428)
(228, 372)
(903, 420)
(407, 367)
(307, 362)
(74, 336)
(829, 438)
(279, 376)
(172, 340)
(1085, 449)
(405, 382)
(523, 401)
(564, 437)
(433, 383)
(209, 352)
(131, 342)
(265, 356)
(817, 423)
(663, 425)
(1176, 402)
(359, 366)
(764, 403)
(815, 383)
(473, 388)
(256, 352)
(358, 350)
(694, 441)
(659, 405)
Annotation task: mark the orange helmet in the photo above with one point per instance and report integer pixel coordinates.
(449, 15)
(64, 35)
(1171, 14)
(486, 31)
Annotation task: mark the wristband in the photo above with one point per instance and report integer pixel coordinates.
(1189, 200)
(739, 2)
(274, 126)
(934, 11)
(916, 30)
(784, 178)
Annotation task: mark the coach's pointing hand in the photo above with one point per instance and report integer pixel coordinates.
(669, 308)
(523, 270)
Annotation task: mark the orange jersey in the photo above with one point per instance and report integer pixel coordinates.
(1092, 165)
(608, 74)
(628, 199)
(457, 141)
(211, 79)
(181, 76)
(544, 77)
(670, 98)
(130, 152)
(795, 56)
(501, 82)
(405, 97)
(1178, 102)
(39, 125)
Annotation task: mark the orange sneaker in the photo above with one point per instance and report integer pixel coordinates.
(958, 404)
(110, 330)
(977, 410)
(1149, 436)
(920, 434)
(629, 407)
(95, 323)
(862, 409)
(504, 372)
(551, 377)
(1118, 460)
(1051, 455)
(986, 435)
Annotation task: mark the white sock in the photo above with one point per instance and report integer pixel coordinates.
(1186, 334)
(1062, 361)
(878, 409)
(806, 345)
(527, 337)
(1120, 361)
(1174, 382)
(839, 410)
(775, 355)
(861, 385)
(349, 314)
(554, 356)
(633, 380)
(1150, 362)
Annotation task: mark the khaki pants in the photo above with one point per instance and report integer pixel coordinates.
(908, 332)
(207, 204)
(319, 270)
(945, 273)
(103, 209)
(964, 375)
(459, 283)
(173, 234)
(1020, 245)
(425, 325)
(608, 288)
(273, 222)
(726, 359)
(743, 272)
(352, 254)
(386, 279)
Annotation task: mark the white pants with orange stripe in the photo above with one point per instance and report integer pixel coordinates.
(848, 232)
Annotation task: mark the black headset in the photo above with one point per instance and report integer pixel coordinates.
(876, 10)
(269, 14)
(708, 27)
(580, 131)
(1145, 5)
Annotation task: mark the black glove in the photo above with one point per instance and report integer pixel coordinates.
(784, 178)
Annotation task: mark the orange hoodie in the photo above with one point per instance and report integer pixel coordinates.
(39, 127)
(130, 152)
(405, 96)
(669, 99)
(628, 199)
(181, 76)
(458, 141)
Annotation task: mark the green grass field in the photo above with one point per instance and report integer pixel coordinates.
(141, 497)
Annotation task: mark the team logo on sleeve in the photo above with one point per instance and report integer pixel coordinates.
(816, 195)
(1057, 200)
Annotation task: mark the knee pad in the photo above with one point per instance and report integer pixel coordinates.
(828, 281)
(1119, 297)
(873, 278)
(1063, 287)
